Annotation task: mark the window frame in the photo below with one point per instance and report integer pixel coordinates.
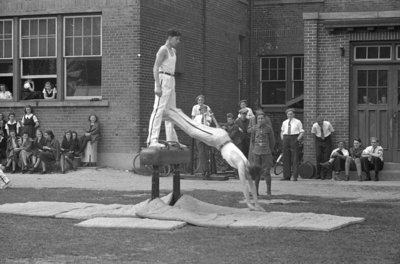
(265, 81)
(66, 57)
(293, 80)
(12, 39)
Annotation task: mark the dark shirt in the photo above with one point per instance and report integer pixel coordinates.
(356, 152)
(243, 125)
(263, 139)
(234, 133)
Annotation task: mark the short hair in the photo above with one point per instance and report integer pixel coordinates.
(289, 110)
(376, 139)
(50, 133)
(28, 106)
(357, 139)
(199, 96)
(229, 115)
(11, 113)
(3, 84)
(243, 101)
(260, 113)
(49, 83)
(173, 32)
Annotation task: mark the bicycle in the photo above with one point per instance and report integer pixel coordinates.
(147, 170)
(278, 166)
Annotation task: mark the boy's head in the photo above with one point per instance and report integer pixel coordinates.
(356, 142)
(229, 118)
(289, 113)
(261, 118)
(341, 144)
(203, 109)
(243, 113)
(174, 37)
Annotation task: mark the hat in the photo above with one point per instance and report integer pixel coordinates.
(289, 110)
(260, 113)
(243, 111)
(229, 115)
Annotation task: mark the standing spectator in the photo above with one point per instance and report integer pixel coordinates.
(12, 124)
(322, 131)
(165, 96)
(196, 108)
(28, 91)
(3, 125)
(337, 160)
(49, 91)
(13, 149)
(50, 152)
(251, 127)
(3, 146)
(4, 93)
(67, 151)
(291, 134)
(233, 130)
(264, 141)
(249, 112)
(354, 159)
(37, 145)
(92, 134)
(243, 123)
(202, 148)
(372, 159)
(29, 122)
(25, 152)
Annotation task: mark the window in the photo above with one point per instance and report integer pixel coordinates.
(372, 86)
(38, 51)
(6, 53)
(273, 80)
(363, 53)
(297, 77)
(82, 56)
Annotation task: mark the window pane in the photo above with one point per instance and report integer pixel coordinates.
(42, 27)
(96, 26)
(362, 96)
(297, 63)
(373, 95)
(298, 88)
(297, 75)
(264, 63)
(24, 28)
(1, 49)
(77, 46)
(51, 27)
(96, 48)
(382, 96)
(83, 77)
(51, 46)
(372, 78)
(282, 63)
(34, 47)
(1, 29)
(69, 47)
(78, 26)
(25, 48)
(87, 45)
(273, 75)
(274, 63)
(383, 78)
(87, 26)
(372, 52)
(69, 27)
(8, 27)
(362, 78)
(361, 52)
(384, 53)
(282, 75)
(39, 67)
(34, 27)
(273, 92)
(264, 75)
(6, 67)
(42, 47)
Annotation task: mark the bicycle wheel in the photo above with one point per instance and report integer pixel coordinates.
(138, 169)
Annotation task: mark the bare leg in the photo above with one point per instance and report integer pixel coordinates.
(359, 169)
(347, 168)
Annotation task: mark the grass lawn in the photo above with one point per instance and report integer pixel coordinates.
(48, 240)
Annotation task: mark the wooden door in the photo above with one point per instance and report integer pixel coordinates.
(375, 107)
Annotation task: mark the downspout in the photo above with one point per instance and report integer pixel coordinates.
(250, 73)
(204, 46)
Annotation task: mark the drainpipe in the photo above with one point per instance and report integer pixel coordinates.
(204, 46)
(250, 72)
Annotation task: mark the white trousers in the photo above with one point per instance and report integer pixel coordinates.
(166, 101)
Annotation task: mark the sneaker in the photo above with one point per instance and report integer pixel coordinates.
(182, 145)
(156, 145)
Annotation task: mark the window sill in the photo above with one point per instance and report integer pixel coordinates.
(54, 103)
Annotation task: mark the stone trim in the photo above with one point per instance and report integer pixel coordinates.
(46, 103)
(351, 15)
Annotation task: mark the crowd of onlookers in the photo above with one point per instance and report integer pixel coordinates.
(49, 91)
(26, 147)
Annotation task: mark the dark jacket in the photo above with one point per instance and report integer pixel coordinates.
(263, 139)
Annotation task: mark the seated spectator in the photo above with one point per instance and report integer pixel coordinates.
(50, 153)
(49, 91)
(28, 91)
(337, 160)
(37, 145)
(354, 159)
(29, 122)
(4, 93)
(76, 143)
(243, 106)
(372, 159)
(3, 125)
(92, 134)
(13, 149)
(25, 152)
(67, 152)
(3, 146)
(12, 124)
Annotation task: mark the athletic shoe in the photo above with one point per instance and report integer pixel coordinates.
(156, 145)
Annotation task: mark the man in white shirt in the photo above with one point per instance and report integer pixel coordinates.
(322, 131)
(372, 159)
(337, 160)
(291, 134)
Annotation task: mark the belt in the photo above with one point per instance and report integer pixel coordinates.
(223, 145)
(291, 135)
(167, 73)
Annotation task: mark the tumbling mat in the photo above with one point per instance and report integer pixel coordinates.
(199, 213)
(276, 201)
(128, 222)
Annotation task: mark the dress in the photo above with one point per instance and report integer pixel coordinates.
(10, 126)
(29, 122)
(50, 94)
(5, 95)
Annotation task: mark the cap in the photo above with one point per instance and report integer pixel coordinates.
(289, 110)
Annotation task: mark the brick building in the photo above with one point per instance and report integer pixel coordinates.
(319, 56)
